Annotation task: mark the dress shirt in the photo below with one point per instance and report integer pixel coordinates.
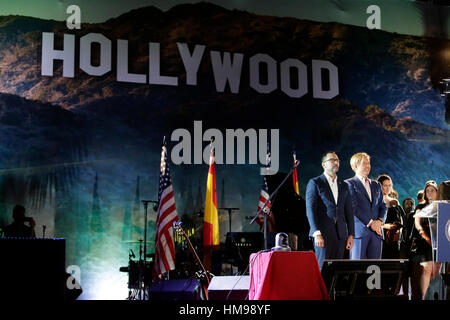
(333, 186)
(334, 190)
(366, 184)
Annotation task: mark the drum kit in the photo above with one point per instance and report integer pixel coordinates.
(140, 271)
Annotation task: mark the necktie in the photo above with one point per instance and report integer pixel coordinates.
(367, 186)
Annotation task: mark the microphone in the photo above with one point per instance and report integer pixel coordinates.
(281, 242)
(177, 224)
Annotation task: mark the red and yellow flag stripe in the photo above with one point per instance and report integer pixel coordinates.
(211, 217)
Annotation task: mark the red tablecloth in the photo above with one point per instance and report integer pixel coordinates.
(278, 275)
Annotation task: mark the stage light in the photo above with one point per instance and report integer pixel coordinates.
(112, 285)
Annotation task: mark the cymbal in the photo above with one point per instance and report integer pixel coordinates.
(137, 241)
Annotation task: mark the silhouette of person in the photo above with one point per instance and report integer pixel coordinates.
(18, 228)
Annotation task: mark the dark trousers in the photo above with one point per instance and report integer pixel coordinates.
(334, 248)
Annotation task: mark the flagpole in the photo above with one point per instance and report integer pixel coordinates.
(265, 231)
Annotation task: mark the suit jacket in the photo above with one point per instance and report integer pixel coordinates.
(322, 211)
(366, 210)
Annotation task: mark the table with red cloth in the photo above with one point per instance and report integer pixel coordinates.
(280, 275)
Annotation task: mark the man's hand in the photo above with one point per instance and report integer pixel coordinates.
(318, 241)
(376, 227)
(349, 244)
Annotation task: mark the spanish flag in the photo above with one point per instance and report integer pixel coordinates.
(211, 217)
(294, 175)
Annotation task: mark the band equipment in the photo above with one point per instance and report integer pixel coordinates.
(240, 245)
(204, 276)
(364, 279)
(34, 269)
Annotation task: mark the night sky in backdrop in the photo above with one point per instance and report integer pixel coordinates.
(343, 11)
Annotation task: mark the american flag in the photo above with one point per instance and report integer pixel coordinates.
(264, 195)
(165, 216)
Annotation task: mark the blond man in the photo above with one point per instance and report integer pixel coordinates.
(369, 210)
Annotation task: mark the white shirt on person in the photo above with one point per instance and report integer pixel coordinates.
(334, 190)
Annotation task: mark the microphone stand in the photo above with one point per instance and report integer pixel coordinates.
(143, 266)
(267, 201)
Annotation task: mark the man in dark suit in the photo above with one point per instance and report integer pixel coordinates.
(370, 210)
(330, 212)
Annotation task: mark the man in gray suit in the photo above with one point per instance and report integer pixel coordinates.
(330, 212)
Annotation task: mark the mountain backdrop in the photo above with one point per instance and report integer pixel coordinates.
(79, 151)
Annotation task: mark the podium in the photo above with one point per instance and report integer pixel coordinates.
(278, 275)
(443, 233)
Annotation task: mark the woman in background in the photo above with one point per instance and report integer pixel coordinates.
(424, 269)
(394, 219)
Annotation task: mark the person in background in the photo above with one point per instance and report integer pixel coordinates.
(423, 268)
(420, 199)
(369, 210)
(408, 205)
(18, 228)
(394, 219)
(393, 194)
(444, 191)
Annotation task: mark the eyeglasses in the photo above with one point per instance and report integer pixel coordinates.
(332, 160)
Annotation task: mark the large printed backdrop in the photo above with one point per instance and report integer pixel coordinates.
(81, 152)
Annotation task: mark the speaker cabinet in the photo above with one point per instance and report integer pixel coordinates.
(365, 279)
(32, 269)
(180, 289)
(229, 288)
